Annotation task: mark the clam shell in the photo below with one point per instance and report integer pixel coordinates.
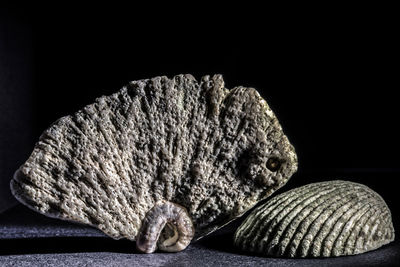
(205, 152)
(324, 219)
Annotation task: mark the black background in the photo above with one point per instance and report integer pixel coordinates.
(329, 73)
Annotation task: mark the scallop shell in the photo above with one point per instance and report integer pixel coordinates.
(326, 219)
(158, 153)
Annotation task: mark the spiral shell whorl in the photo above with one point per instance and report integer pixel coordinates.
(171, 216)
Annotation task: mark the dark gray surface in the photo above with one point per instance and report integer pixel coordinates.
(27, 239)
(21, 223)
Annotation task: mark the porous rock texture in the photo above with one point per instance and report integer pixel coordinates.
(213, 151)
(325, 219)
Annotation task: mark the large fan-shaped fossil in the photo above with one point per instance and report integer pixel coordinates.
(161, 159)
(324, 219)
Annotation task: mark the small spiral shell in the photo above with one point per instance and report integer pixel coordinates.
(167, 226)
(324, 219)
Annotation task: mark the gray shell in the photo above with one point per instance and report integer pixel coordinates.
(324, 219)
(213, 151)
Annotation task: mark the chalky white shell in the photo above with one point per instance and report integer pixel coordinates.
(326, 219)
(214, 152)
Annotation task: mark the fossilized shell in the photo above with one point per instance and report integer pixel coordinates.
(326, 219)
(209, 152)
(178, 224)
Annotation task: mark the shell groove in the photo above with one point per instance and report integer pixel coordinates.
(213, 151)
(326, 219)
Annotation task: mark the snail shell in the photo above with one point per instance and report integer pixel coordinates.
(167, 226)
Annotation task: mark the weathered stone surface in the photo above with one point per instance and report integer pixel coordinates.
(214, 152)
(324, 219)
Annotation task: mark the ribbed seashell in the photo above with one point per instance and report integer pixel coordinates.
(162, 160)
(326, 219)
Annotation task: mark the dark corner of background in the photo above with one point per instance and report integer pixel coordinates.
(16, 89)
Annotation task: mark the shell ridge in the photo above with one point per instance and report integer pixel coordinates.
(105, 171)
(329, 222)
(357, 230)
(359, 242)
(312, 229)
(351, 240)
(260, 209)
(250, 218)
(102, 173)
(311, 220)
(292, 200)
(339, 245)
(330, 239)
(292, 231)
(385, 229)
(112, 141)
(250, 222)
(371, 231)
(274, 222)
(326, 228)
(197, 118)
(276, 234)
(153, 94)
(266, 218)
(170, 129)
(262, 222)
